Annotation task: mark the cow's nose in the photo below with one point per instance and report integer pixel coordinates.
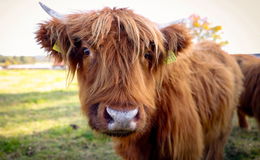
(121, 120)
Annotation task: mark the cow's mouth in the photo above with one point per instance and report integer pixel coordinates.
(119, 133)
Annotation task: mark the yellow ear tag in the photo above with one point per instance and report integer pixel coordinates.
(56, 47)
(171, 57)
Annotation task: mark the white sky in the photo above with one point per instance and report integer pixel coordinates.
(240, 19)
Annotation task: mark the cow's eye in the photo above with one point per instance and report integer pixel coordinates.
(148, 56)
(86, 51)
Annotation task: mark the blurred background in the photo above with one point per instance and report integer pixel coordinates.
(40, 116)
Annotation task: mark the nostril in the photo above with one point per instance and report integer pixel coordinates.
(136, 118)
(94, 109)
(108, 118)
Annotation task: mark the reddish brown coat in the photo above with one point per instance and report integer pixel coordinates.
(250, 98)
(185, 108)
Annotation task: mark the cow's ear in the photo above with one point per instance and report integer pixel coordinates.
(52, 36)
(177, 38)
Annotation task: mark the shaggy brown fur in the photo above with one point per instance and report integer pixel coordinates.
(250, 98)
(185, 107)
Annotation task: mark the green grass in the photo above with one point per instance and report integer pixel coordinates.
(37, 110)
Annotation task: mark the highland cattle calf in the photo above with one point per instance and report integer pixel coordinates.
(159, 97)
(250, 99)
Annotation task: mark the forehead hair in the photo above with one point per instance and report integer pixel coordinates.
(95, 26)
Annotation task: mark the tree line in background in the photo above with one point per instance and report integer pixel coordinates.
(200, 28)
(7, 60)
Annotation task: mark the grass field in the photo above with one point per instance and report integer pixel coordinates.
(40, 119)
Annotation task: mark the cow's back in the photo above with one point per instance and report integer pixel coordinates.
(216, 82)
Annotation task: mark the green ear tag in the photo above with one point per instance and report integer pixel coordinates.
(171, 57)
(56, 47)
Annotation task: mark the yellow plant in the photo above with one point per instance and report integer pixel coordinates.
(201, 30)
